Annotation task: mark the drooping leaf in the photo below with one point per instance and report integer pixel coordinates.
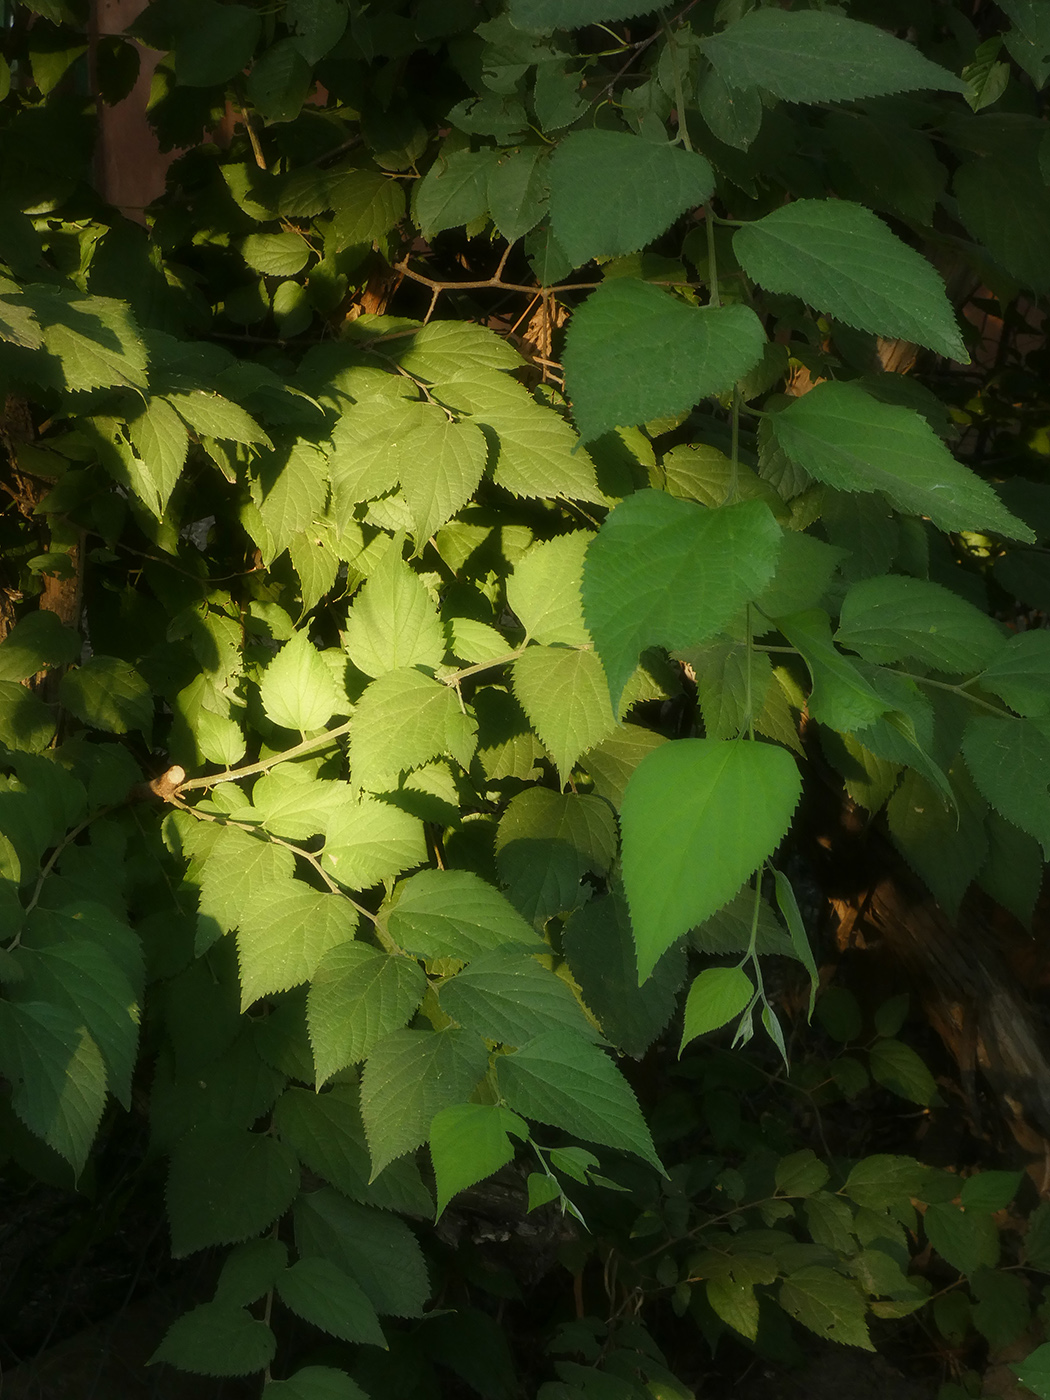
(843, 260)
(562, 1079)
(468, 1142)
(57, 1075)
(715, 997)
(842, 436)
(411, 1076)
(640, 187)
(699, 816)
(967, 1239)
(1018, 674)
(818, 56)
(357, 996)
(635, 352)
(1009, 760)
(671, 573)
(944, 843)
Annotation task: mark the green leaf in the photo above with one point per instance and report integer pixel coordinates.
(1013, 872)
(38, 641)
(1034, 1371)
(735, 1303)
(818, 56)
(733, 114)
(564, 1080)
(454, 914)
(159, 437)
(357, 996)
(238, 864)
(732, 680)
(250, 1271)
(280, 82)
(294, 488)
(454, 191)
(298, 690)
(78, 974)
(374, 1248)
(565, 694)
(1029, 39)
(641, 188)
(320, 1292)
(842, 436)
(1002, 1311)
(546, 843)
(218, 43)
(882, 1181)
(285, 931)
(57, 1076)
(841, 697)
(990, 1191)
(369, 841)
(699, 817)
(1010, 763)
(805, 568)
(668, 572)
(95, 339)
(715, 997)
(315, 1383)
(327, 1134)
(1019, 673)
(403, 720)
(518, 191)
(827, 1304)
(571, 14)
(539, 453)
(367, 207)
(468, 1142)
(441, 466)
(217, 1339)
(276, 254)
(211, 415)
(900, 1069)
(967, 1240)
(447, 349)
(544, 590)
(892, 619)
(109, 694)
(393, 622)
(801, 1174)
(365, 461)
(943, 842)
(1004, 204)
(599, 949)
(634, 352)
(411, 1076)
(612, 762)
(509, 998)
(226, 1184)
(843, 260)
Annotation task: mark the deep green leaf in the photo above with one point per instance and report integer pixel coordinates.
(454, 191)
(672, 573)
(315, 1383)
(842, 436)
(411, 1076)
(892, 619)
(635, 352)
(320, 1292)
(217, 1339)
(900, 1069)
(38, 641)
(518, 191)
(454, 914)
(843, 260)
(546, 843)
(108, 693)
(699, 817)
(818, 56)
(357, 996)
(564, 1080)
(641, 187)
(373, 1247)
(827, 1304)
(250, 1271)
(1018, 674)
(1009, 760)
(226, 1184)
(966, 1240)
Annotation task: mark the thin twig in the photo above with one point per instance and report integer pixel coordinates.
(233, 775)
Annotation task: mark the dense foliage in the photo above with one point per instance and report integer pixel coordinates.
(437, 544)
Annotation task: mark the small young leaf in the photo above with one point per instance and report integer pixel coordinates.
(699, 817)
(468, 1142)
(715, 997)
